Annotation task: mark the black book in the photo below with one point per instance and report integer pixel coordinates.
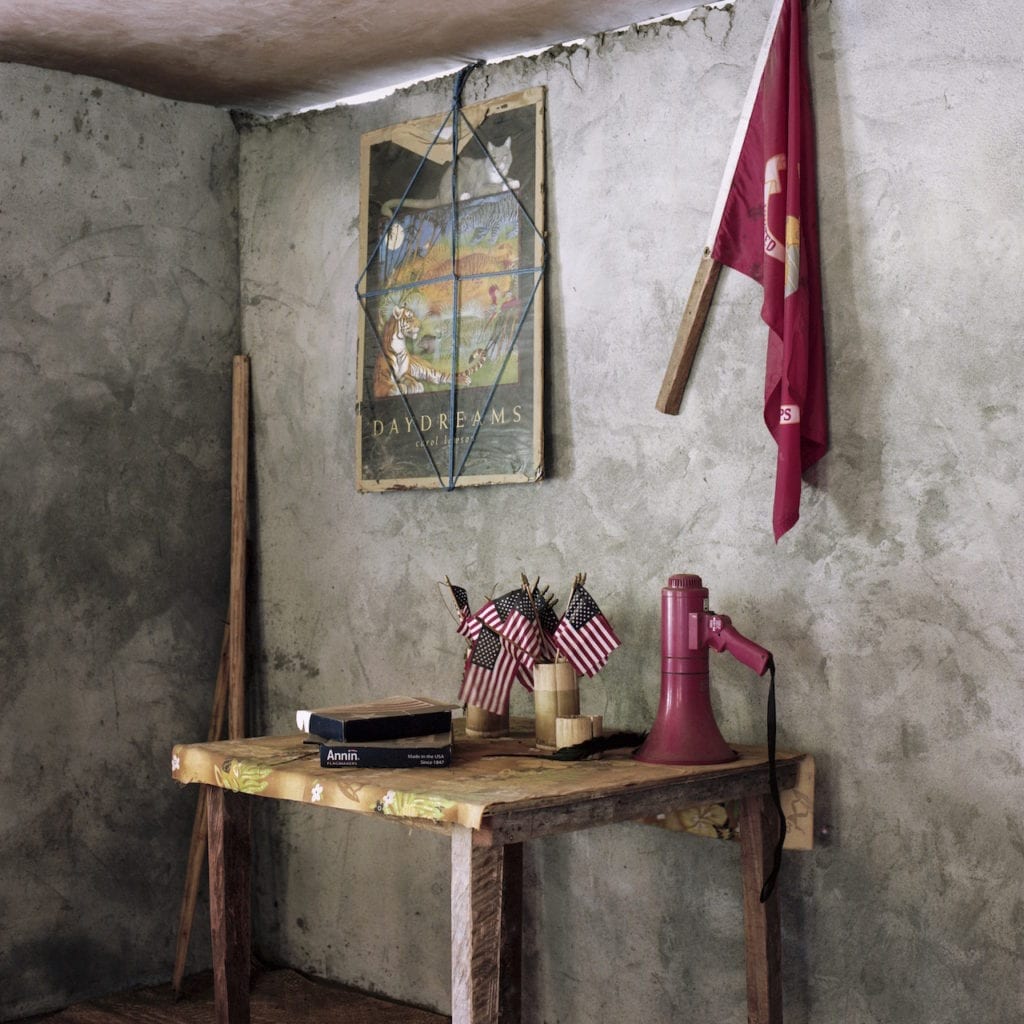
(410, 752)
(390, 718)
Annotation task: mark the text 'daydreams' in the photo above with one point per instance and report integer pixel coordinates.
(407, 425)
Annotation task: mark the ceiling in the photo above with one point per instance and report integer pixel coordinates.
(274, 56)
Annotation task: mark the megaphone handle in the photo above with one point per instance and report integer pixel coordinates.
(723, 636)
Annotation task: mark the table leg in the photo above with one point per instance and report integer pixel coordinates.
(230, 853)
(758, 830)
(487, 893)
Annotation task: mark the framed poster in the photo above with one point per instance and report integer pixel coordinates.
(451, 333)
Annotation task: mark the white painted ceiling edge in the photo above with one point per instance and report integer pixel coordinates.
(272, 57)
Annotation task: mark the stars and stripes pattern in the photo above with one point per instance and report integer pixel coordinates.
(584, 636)
(461, 597)
(489, 615)
(490, 671)
(469, 625)
(548, 625)
(519, 625)
(511, 633)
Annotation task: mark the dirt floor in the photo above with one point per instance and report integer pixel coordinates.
(278, 997)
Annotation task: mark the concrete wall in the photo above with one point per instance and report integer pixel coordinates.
(892, 608)
(118, 319)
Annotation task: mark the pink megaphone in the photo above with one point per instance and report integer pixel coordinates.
(684, 730)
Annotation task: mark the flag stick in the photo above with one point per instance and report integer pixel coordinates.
(529, 596)
(670, 397)
(691, 326)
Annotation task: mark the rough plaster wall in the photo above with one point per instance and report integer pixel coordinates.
(118, 318)
(892, 608)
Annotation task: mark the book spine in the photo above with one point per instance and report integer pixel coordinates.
(321, 725)
(394, 757)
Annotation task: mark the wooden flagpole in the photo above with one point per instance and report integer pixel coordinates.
(691, 326)
(670, 397)
(228, 693)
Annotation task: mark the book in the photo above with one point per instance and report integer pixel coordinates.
(390, 718)
(410, 752)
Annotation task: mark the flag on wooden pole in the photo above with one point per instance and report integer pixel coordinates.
(548, 624)
(584, 636)
(490, 671)
(769, 231)
(519, 624)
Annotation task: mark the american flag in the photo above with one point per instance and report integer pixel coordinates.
(515, 623)
(489, 615)
(491, 669)
(469, 625)
(492, 615)
(460, 595)
(584, 635)
(548, 625)
(511, 617)
(519, 624)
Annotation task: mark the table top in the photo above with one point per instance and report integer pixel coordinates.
(508, 789)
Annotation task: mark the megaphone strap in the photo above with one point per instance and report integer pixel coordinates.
(773, 786)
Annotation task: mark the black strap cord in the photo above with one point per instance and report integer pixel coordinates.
(773, 786)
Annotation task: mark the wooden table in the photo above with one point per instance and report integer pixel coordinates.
(497, 795)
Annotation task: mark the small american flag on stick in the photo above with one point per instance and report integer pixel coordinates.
(491, 669)
(469, 625)
(584, 636)
(548, 623)
(519, 624)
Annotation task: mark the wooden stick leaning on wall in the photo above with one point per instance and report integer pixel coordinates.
(229, 693)
(197, 847)
(691, 326)
(239, 496)
(670, 396)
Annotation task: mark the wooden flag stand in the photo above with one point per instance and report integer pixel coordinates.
(677, 373)
(229, 689)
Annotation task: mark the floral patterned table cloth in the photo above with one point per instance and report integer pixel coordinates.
(485, 774)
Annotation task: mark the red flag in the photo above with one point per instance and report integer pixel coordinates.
(769, 231)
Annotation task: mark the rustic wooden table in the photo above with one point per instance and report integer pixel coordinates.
(497, 795)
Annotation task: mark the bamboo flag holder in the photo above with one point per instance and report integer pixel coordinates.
(228, 692)
(691, 327)
(556, 693)
(573, 729)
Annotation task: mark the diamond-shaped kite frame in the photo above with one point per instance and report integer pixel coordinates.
(381, 286)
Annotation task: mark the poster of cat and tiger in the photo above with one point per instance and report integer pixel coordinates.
(451, 331)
